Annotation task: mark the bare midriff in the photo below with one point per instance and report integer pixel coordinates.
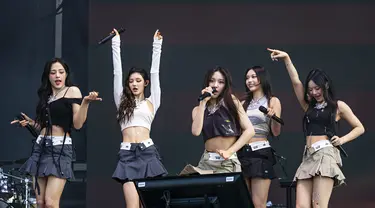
(135, 134)
(219, 143)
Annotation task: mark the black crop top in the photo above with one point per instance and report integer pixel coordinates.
(319, 121)
(220, 123)
(61, 112)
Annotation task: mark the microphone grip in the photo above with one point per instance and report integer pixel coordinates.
(341, 149)
(277, 119)
(265, 111)
(28, 126)
(206, 94)
(32, 131)
(107, 38)
(203, 96)
(110, 36)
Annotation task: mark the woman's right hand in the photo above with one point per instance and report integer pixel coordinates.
(23, 122)
(209, 90)
(277, 54)
(115, 31)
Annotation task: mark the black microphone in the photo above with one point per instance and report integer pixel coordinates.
(341, 149)
(206, 94)
(110, 36)
(28, 126)
(277, 119)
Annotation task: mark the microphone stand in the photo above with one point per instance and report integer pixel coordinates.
(26, 181)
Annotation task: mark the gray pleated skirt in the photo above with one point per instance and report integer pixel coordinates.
(50, 164)
(324, 162)
(138, 163)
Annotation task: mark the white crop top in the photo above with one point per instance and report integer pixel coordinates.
(142, 115)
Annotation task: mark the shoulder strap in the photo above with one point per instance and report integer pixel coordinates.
(66, 92)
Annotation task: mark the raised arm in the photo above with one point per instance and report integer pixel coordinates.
(293, 74)
(154, 72)
(117, 69)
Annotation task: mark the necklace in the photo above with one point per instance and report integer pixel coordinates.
(138, 101)
(320, 106)
(255, 102)
(213, 108)
(53, 97)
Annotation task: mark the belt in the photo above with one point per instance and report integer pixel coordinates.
(213, 156)
(54, 140)
(143, 144)
(259, 145)
(319, 145)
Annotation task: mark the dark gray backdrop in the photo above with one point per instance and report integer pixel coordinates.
(337, 37)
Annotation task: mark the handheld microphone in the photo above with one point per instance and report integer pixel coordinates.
(206, 94)
(28, 126)
(277, 119)
(110, 36)
(341, 149)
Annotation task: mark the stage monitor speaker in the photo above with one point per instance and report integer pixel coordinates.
(226, 190)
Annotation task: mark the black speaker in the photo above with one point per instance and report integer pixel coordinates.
(225, 190)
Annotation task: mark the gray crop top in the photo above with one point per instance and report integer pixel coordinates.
(260, 121)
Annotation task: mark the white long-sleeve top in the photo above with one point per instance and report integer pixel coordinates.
(142, 115)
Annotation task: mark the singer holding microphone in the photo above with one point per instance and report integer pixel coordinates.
(257, 157)
(60, 108)
(138, 156)
(320, 169)
(223, 123)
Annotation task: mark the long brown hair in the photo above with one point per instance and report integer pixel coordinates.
(226, 95)
(127, 103)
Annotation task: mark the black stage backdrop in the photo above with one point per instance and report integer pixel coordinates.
(199, 35)
(27, 42)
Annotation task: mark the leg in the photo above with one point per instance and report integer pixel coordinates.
(248, 184)
(322, 189)
(131, 195)
(55, 187)
(259, 190)
(304, 193)
(42, 182)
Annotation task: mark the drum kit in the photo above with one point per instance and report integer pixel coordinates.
(15, 188)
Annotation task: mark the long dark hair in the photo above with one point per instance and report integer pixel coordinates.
(127, 105)
(45, 89)
(321, 79)
(226, 94)
(265, 82)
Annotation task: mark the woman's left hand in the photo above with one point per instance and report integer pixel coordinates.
(157, 35)
(224, 154)
(92, 96)
(336, 141)
(271, 112)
